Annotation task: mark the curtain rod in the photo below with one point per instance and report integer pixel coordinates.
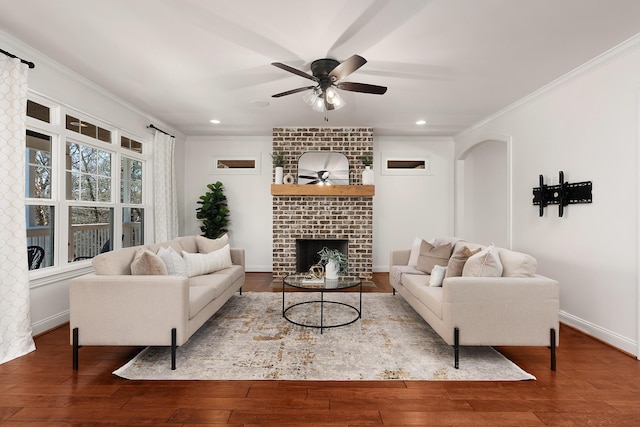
(10, 55)
(160, 130)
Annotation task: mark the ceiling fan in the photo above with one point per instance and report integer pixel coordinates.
(326, 73)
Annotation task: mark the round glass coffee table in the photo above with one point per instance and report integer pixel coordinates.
(306, 283)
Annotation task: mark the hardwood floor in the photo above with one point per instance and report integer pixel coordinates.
(594, 385)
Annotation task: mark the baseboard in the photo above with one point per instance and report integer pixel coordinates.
(598, 332)
(50, 322)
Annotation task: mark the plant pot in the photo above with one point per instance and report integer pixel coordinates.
(279, 174)
(331, 270)
(367, 176)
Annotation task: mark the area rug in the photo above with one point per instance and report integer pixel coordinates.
(248, 339)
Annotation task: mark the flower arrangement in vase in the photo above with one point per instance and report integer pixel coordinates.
(367, 173)
(334, 262)
(278, 163)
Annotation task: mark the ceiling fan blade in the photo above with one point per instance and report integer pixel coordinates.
(347, 67)
(292, 91)
(294, 70)
(362, 87)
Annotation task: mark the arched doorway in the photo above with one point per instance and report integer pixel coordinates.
(483, 193)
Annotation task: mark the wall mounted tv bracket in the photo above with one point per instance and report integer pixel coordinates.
(562, 194)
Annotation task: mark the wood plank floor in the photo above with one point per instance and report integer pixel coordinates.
(594, 385)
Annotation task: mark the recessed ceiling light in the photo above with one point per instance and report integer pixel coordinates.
(215, 121)
(421, 122)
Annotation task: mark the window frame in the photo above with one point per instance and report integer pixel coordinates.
(60, 136)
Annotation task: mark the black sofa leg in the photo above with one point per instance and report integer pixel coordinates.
(75, 349)
(173, 348)
(240, 290)
(552, 348)
(456, 348)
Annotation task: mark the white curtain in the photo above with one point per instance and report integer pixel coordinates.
(165, 199)
(15, 309)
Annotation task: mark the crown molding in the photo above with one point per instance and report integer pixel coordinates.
(622, 49)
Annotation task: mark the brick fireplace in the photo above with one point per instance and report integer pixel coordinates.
(348, 217)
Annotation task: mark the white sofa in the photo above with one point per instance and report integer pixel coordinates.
(134, 299)
(516, 308)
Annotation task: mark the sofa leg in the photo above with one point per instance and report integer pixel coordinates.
(173, 348)
(552, 348)
(394, 291)
(456, 348)
(75, 349)
(240, 290)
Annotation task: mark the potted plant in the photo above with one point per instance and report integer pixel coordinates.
(214, 212)
(278, 163)
(334, 262)
(367, 173)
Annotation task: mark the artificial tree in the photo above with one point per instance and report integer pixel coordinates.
(214, 212)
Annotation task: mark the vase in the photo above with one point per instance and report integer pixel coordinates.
(367, 176)
(331, 270)
(279, 174)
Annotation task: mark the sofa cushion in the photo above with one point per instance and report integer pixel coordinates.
(485, 263)
(203, 289)
(517, 264)
(431, 256)
(206, 245)
(198, 264)
(418, 286)
(456, 263)
(116, 262)
(415, 252)
(186, 243)
(175, 264)
(437, 275)
(147, 263)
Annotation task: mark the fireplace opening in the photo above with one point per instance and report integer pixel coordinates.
(307, 251)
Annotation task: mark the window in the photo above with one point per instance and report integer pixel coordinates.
(38, 195)
(84, 195)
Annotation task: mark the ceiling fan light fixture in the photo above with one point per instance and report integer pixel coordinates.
(335, 99)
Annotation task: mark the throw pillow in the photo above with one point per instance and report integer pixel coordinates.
(415, 252)
(147, 263)
(173, 261)
(457, 261)
(485, 263)
(206, 245)
(431, 256)
(199, 264)
(437, 275)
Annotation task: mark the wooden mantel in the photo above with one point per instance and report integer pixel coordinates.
(322, 190)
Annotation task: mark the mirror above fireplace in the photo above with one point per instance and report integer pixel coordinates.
(323, 168)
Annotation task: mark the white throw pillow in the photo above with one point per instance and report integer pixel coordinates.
(174, 262)
(437, 275)
(485, 263)
(199, 264)
(415, 252)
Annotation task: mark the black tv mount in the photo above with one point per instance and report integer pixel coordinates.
(562, 194)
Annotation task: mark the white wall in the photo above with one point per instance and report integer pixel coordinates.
(586, 125)
(485, 189)
(404, 206)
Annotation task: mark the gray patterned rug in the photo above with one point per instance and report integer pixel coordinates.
(247, 339)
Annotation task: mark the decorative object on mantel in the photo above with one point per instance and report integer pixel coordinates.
(562, 194)
(278, 162)
(367, 173)
(334, 262)
(323, 168)
(288, 179)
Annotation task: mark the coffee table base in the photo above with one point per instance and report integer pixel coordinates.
(322, 302)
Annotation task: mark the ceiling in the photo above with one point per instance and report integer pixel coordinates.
(451, 63)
